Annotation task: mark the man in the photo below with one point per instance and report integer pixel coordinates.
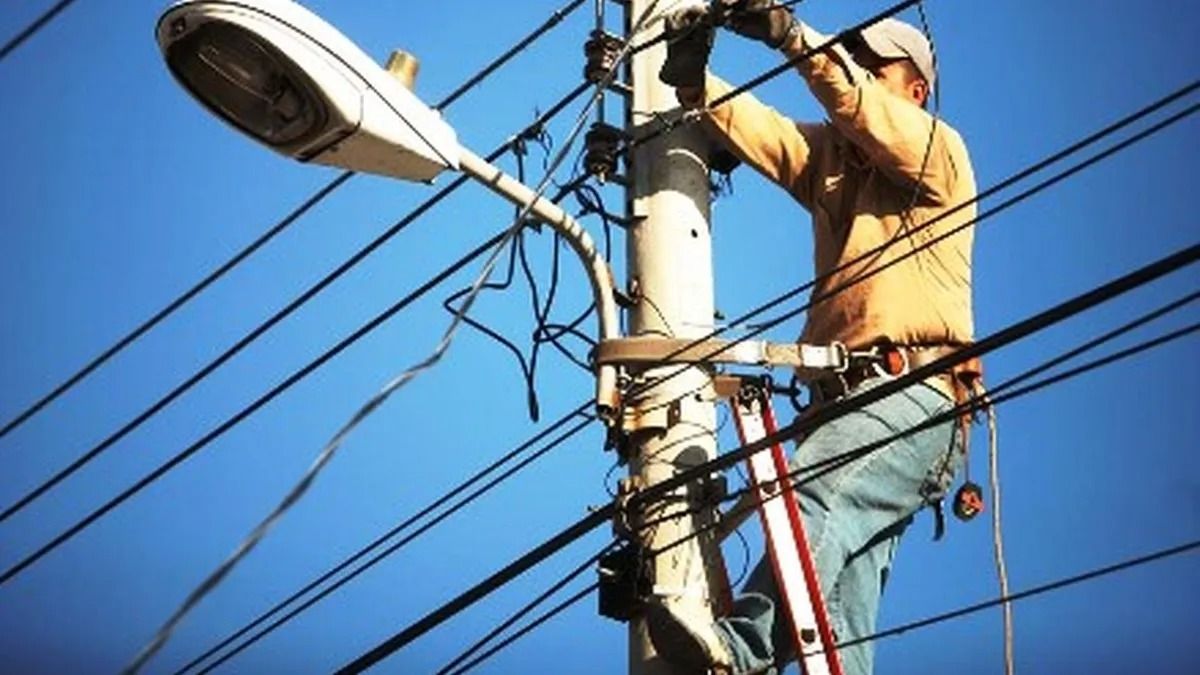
(873, 174)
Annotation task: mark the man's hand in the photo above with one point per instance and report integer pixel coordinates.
(689, 41)
(762, 20)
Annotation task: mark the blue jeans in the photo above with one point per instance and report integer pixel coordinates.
(854, 515)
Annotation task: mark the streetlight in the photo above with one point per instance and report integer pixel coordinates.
(283, 76)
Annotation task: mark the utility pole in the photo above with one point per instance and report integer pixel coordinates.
(669, 256)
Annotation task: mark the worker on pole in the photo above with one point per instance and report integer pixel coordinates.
(874, 173)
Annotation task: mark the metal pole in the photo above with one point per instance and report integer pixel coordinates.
(669, 257)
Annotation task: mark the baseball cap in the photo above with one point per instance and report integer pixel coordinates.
(894, 39)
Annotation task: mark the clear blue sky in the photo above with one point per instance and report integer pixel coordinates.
(119, 192)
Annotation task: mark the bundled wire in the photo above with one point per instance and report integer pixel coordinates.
(1013, 333)
(466, 599)
(556, 17)
(288, 382)
(327, 453)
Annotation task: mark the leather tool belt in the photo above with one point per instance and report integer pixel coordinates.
(893, 360)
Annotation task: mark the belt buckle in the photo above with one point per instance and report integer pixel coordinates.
(891, 362)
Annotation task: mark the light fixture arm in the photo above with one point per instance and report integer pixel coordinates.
(599, 273)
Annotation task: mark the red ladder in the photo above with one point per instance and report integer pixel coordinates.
(795, 574)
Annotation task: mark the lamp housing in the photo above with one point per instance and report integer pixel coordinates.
(283, 76)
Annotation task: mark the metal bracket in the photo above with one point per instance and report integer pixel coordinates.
(816, 360)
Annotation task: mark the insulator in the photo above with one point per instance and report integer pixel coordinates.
(602, 52)
(602, 143)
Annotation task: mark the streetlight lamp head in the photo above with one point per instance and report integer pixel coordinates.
(286, 78)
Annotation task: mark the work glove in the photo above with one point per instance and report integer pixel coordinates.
(762, 20)
(689, 38)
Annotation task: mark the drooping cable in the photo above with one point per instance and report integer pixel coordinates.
(473, 594)
(520, 614)
(1007, 390)
(1030, 592)
(601, 515)
(482, 589)
(530, 627)
(381, 652)
(174, 305)
(1099, 135)
(288, 382)
(271, 233)
(327, 453)
(29, 31)
(583, 421)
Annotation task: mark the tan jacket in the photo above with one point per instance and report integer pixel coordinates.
(857, 175)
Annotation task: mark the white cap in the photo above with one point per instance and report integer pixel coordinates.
(894, 39)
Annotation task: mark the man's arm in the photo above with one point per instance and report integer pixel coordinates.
(773, 144)
(895, 134)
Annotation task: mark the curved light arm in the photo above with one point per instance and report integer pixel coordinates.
(598, 271)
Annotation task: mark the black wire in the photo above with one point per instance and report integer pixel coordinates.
(176, 303)
(536, 623)
(1003, 206)
(520, 614)
(33, 28)
(950, 415)
(307, 205)
(996, 396)
(292, 379)
(389, 550)
(1138, 277)
(1116, 126)
(601, 515)
(555, 19)
(1029, 593)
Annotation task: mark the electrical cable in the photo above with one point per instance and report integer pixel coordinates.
(586, 419)
(1109, 130)
(1012, 333)
(330, 449)
(371, 657)
(997, 395)
(536, 623)
(38, 24)
(555, 19)
(1005, 598)
(237, 258)
(287, 383)
(521, 613)
(175, 304)
(479, 590)
(416, 629)
(1029, 592)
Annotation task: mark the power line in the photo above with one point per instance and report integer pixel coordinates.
(1031, 592)
(517, 616)
(533, 625)
(556, 18)
(859, 453)
(562, 538)
(362, 253)
(386, 552)
(836, 409)
(1120, 124)
(995, 397)
(174, 305)
(34, 27)
(394, 385)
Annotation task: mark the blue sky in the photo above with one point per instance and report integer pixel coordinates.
(120, 192)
